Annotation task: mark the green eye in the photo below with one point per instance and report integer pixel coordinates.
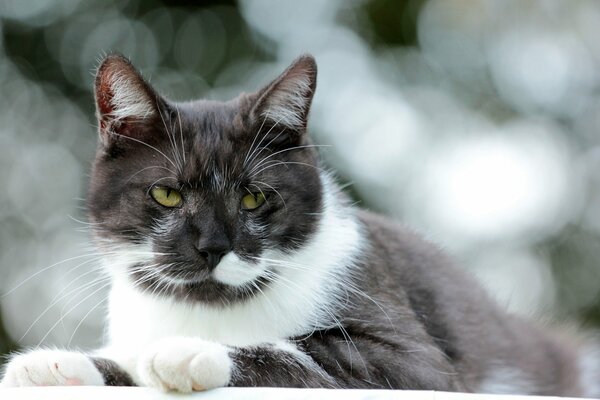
(166, 196)
(252, 201)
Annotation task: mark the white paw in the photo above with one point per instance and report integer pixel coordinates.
(51, 368)
(185, 365)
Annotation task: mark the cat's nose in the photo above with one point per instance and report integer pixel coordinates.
(212, 242)
(213, 255)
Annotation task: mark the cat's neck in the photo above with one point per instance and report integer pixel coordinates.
(311, 286)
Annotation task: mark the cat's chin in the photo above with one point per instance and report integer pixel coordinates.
(189, 279)
(200, 288)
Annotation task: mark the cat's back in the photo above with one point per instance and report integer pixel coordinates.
(397, 250)
(492, 350)
(442, 295)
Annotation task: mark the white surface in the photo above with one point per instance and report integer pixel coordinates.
(114, 393)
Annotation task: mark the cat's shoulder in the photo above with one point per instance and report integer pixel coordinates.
(397, 246)
(392, 231)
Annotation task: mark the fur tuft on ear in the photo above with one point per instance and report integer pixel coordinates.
(287, 99)
(124, 101)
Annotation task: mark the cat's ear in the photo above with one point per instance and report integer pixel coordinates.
(286, 101)
(126, 105)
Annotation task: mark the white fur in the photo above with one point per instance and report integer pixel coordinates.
(118, 257)
(234, 271)
(284, 310)
(51, 368)
(165, 225)
(300, 356)
(218, 180)
(255, 228)
(502, 379)
(287, 104)
(185, 364)
(129, 99)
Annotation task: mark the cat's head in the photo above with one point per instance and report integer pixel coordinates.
(192, 199)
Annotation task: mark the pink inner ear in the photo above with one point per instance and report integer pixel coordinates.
(125, 103)
(104, 94)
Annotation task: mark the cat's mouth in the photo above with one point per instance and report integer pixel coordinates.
(198, 285)
(147, 276)
(231, 270)
(184, 276)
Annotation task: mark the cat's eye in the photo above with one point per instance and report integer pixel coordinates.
(166, 196)
(252, 201)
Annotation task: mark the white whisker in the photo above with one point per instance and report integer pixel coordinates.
(248, 154)
(148, 145)
(307, 146)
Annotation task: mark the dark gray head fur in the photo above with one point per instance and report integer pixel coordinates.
(213, 153)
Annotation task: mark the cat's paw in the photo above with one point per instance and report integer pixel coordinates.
(51, 368)
(185, 365)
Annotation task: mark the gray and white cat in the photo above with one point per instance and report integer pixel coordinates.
(237, 261)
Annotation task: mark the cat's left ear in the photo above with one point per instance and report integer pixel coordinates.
(126, 105)
(286, 101)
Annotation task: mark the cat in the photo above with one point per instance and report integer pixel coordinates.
(236, 260)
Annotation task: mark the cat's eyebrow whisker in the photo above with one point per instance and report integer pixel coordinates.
(171, 139)
(306, 146)
(150, 146)
(181, 133)
(258, 146)
(277, 162)
(251, 149)
(151, 167)
(266, 146)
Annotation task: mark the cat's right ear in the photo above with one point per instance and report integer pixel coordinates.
(126, 106)
(286, 101)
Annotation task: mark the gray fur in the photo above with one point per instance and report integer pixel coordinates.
(411, 320)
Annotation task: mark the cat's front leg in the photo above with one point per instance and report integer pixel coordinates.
(193, 364)
(51, 368)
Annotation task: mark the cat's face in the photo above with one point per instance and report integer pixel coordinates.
(199, 196)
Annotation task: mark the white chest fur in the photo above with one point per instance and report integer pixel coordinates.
(304, 298)
(139, 319)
